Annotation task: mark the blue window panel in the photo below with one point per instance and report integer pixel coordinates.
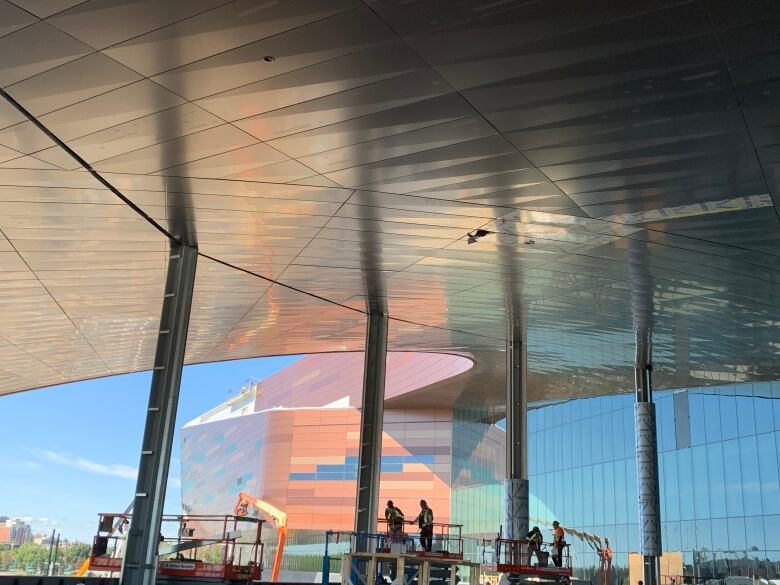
(728, 423)
(392, 467)
(219, 472)
(772, 532)
(670, 491)
(737, 540)
(696, 413)
(622, 514)
(764, 418)
(754, 531)
(220, 438)
(766, 446)
(199, 458)
(685, 477)
(733, 478)
(392, 459)
(703, 535)
(587, 494)
(700, 486)
(746, 418)
(230, 448)
(595, 440)
(671, 535)
(351, 460)
(609, 493)
(751, 478)
(585, 437)
(776, 405)
(302, 476)
(258, 445)
(717, 481)
(720, 534)
(330, 468)
(687, 535)
(712, 424)
(330, 476)
(350, 475)
(631, 495)
(425, 459)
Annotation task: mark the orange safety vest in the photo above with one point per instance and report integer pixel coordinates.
(559, 536)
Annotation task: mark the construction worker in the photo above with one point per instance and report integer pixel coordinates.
(534, 539)
(425, 521)
(395, 521)
(558, 542)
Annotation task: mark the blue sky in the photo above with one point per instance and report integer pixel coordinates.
(71, 451)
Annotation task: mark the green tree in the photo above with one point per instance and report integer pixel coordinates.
(74, 555)
(31, 554)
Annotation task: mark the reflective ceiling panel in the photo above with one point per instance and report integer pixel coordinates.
(621, 160)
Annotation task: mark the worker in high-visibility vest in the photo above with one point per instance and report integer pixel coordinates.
(534, 538)
(558, 542)
(395, 521)
(425, 521)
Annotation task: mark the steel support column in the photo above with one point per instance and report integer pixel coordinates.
(647, 461)
(140, 560)
(372, 411)
(516, 482)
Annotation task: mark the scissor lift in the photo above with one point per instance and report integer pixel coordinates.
(237, 540)
(516, 557)
(398, 559)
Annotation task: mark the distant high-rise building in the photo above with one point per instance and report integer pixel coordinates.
(14, 531)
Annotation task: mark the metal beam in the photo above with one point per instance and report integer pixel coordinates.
(516, 482)
(647, 460)
(372, 411)
(139, 566)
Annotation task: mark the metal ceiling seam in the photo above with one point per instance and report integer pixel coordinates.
(475, 109)
(56, 302)
(95, 174)
(775, 197)
(281, 274)
(96, 49)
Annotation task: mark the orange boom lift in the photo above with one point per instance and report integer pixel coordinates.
(273, 515)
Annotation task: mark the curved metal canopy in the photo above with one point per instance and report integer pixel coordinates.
(621, 158)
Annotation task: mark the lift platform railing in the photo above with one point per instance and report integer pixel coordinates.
(447, 539)
(376, 568)
(191, 546)
(524, 558)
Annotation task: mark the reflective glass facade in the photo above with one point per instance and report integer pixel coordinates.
(718, 461)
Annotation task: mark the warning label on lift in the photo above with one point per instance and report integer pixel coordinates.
(178, 566)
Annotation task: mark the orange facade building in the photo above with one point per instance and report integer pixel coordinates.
(292, 440)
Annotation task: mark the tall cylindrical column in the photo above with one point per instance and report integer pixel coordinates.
(139, 566)
(516, 482)
(372, 411)
(647, 462)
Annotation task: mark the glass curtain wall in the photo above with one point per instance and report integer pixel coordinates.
(718, 462)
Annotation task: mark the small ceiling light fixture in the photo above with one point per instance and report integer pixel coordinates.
(269, 58)
(477, 235)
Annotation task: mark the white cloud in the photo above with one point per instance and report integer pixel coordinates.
(113, 469)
